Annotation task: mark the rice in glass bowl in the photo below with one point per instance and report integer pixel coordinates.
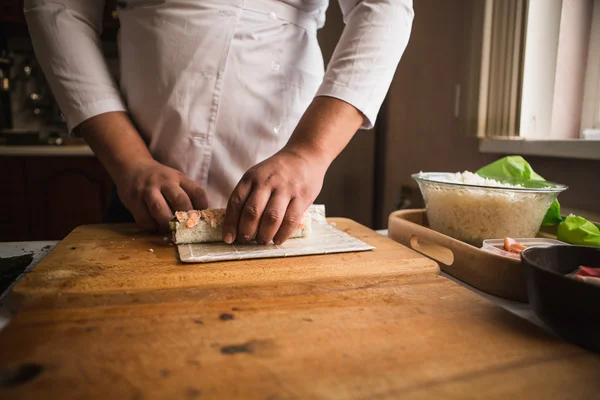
(471, 208)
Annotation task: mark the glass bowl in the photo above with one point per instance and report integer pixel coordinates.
(473, 213)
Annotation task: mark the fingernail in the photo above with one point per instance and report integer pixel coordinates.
(228, 238)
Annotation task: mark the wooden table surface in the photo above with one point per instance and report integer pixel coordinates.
(103, 317)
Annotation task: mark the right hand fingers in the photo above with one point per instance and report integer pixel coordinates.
(234, 210)
(251, 214)
(272, 217)
(177, 198)
(291, 220)
(158, 207)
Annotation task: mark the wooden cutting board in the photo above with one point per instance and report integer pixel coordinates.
(120, 259)
(102, 317)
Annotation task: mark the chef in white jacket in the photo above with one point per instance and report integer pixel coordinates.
(220, 102)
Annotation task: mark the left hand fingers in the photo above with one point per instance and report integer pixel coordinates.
(291, 220)
(177, 198)
(195, 193)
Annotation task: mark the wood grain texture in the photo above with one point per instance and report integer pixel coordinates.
(117, 258)
(108, 319)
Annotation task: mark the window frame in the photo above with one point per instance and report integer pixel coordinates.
(590, 115)
(544, 123)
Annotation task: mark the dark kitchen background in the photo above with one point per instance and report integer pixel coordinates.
(50, 183)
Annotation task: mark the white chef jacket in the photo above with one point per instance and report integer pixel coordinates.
(216, 86)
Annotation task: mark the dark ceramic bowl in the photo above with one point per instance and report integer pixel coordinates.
(569, 307)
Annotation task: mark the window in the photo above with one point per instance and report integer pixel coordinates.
(539, 76)
(591, 101)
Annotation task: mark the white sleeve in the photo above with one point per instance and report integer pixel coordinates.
(366, 57)
(66, 40)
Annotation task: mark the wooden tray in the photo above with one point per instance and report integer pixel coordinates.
(491, 273)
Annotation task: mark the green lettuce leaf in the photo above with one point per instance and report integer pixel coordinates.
(510, 167)
(578, 231)
(553, 216)
(574, 230)
(518, 167)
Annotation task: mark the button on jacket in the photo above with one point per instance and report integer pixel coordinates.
(216, 86)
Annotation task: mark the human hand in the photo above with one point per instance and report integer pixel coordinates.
(271, 198)
(150, 190)
(153, 192)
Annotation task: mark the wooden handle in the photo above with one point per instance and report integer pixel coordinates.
(486, 271)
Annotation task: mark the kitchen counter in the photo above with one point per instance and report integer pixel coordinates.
(41, 249)
(522, 310)
(110, 312)
(47, 151)
(38, 250)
